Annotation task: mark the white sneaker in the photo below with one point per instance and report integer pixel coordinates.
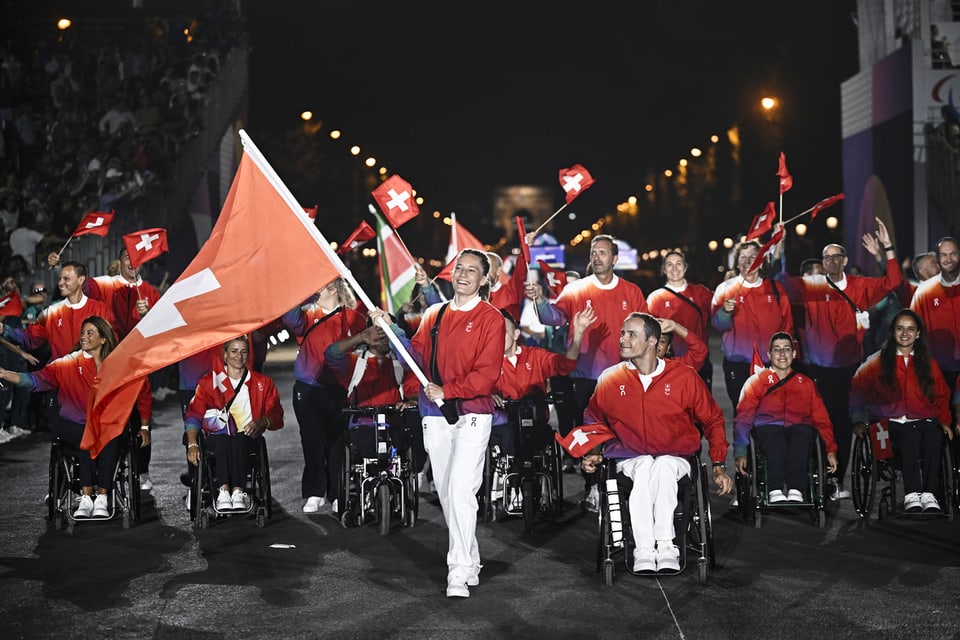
(776, 496)
(457, 585)
(5, 437)
(794, 495)
(240, 500)
(85, 508)
(591, 501)
(224, 501)
(668, 557)
(929, 502)
(912, 502)
(334, 507)
(313, 504)
(644, 560)
(100, 508)
(16, 431)
(145, 484)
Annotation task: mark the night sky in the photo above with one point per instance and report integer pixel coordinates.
(460, 98)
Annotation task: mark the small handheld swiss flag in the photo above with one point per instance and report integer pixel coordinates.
(762, 222)
(363, 233)
(756, 366)
(575, 181)
(880, 440)
(767, 249)
(786, 180)
(395, 199)
(11, 304)
(823, 204)
(556, 279)
(585, 438)
(145, 245)
(95, 222)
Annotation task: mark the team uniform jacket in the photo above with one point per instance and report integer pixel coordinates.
(59, 325)
(509, 295)
(121, 296)
(309, 365)
(797, 401)
(832, 336)
(870, 400)
(696, 349)
(470, 352)
(938, 305)
(612, 303)
(215, 391)
(757, 315)
(378, 386)
(660, 420)
(675, 304)
(527, 376)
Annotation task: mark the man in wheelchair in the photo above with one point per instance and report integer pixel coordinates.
(902, 385)
(653, 405)
(784, 410)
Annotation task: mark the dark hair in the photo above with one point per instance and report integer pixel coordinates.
(106, 331)
(651, 327)
(509, 316)
(484, 267)
(807, 265)
(780, 335)
(613, 243)
(921, 357)
(78, 267)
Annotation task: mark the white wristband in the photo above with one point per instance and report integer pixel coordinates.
(144, 427)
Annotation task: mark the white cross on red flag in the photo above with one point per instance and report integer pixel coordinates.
(762, 222)
(575, 181)
(395, 199)
(582, 439)
(786, 180)
(756, 366)
(11, 304)
(145, 245)
(95, 222)
(363, 233)
(880, 440)
(556, 279)
(767, 249)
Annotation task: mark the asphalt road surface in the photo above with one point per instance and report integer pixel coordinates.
(308, 577)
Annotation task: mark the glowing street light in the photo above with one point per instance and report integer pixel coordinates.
(768, 103)
(64, 23)
(712, 245)
(354, 150)
(370, 162)
(728, 243)
(832, 222)
(306, 116)
(696, 152)
(335, 134)
(801, 229)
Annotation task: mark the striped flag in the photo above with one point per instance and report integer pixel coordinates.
(397, 272)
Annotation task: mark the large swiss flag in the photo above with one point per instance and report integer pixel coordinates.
(230, 288)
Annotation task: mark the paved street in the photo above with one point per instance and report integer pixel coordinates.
(162, 579)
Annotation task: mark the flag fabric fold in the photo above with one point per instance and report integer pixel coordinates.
(786, 180)
(397, 267)
(575, 181)
(757, 364)
(11, 304)
(522, 232)
(94, 222)
(824, 204)
(762, 222)
(395, 199)
(581, 440)
(145, 245)
(767, 249)
(363, 233)
(556, 279)
(229, 289)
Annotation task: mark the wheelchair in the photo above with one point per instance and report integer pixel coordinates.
(753, 489)
(867, 472)
(383, 488)
(528, 484)
(64, 483)
(692, 522)
(203, 491)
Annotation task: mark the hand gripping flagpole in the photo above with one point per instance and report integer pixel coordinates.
(271, 175)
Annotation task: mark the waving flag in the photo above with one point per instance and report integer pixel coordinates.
(581, 440)
(522, 232)
(767, 249)
(825, 203)
(260, 239)
(397, 272)
(145, 245)
(95, 222)
(358, 238)
(11, 304)
(786, 180)
(556, 279)
(575, 181)
(460, 239)
(395, 199)
(757, 365)
(762, 222)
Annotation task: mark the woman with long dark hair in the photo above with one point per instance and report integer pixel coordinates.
(903, 386)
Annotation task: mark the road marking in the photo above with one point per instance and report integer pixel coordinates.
(670, 609)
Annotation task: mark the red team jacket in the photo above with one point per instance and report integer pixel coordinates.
(870, 400)
(264, 399)
(689, 307)
(757, 316)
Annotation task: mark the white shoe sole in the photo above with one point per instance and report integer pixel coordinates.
(458, 591)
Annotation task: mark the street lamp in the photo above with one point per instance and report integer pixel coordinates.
(832, 222)
(768, 103)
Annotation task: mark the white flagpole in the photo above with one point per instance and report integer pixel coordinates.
(268, 172)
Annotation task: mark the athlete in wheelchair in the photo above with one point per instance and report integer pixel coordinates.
(781, 424)
(224, 427)
(72, 470)
(381, 455)
(901, 394)
(652, 406)
(523, 470)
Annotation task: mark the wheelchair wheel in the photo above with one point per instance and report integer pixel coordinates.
(530, 502)
(863, 476)
(411, 488)
(131, 485)
(383, 508)
(704, 524)
(198, 511)
(266, 497)
(556, 477)
(55, 486)
(947, 482)
(344, 500)
(484, 500)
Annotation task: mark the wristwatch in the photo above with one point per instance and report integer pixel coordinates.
(720, 465)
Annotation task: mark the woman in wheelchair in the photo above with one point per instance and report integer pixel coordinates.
(73, 375)
(902, 385)
(784, 410)
(232, 412)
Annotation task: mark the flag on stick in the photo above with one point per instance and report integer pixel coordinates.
(556, 279)
(762, 222)
(584, 439)
(395, 199)
(786, 180)
(460, 239)
(358, 238)
(522, 232)
(95, 222)
(824, 204)
(11, 304)
(397, 267)
(767, 249)
(575, 181)
(145, 245)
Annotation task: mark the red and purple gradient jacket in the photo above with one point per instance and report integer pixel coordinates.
(870, 400)
(939, 308)
(760, 312)
(214, 392)
(59, 325)
(667, 303)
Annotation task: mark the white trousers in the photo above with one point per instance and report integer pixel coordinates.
(653, 498)
(456, 457)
